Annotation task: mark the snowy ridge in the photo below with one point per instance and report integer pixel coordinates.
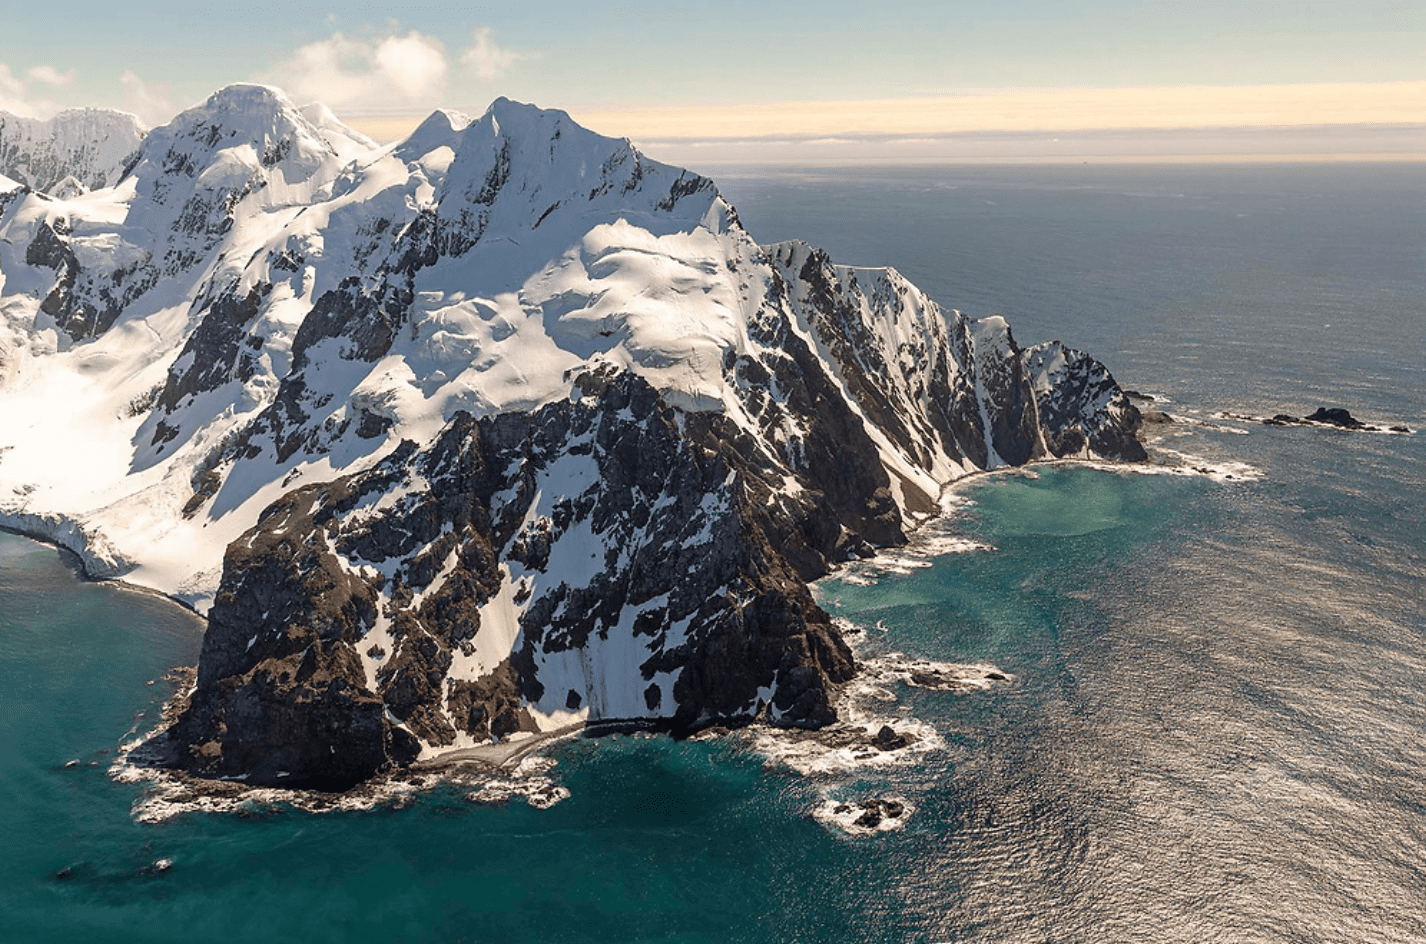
(499, 428)
(81, 148)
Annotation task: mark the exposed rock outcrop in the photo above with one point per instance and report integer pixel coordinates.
(500, 429)
(78, 150)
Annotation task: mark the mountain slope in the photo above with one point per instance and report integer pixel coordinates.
(497, 429)
(79, 149)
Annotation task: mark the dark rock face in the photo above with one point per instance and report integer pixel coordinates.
(1336, 416)
(10, 197)
(84, 304)
(283, 700)
(366, 321)
(932, 366)
(635, 551)
(700, 584)
(1010, 406)
(1081, 408)
(941, 388)
(219, 350)
(1329, 416)
(51, 251)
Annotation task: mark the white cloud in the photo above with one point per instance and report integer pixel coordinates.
(413, 63)
(12, 94)
(50, 75)
(487, 59)
(151, 101)
(372, 74)
(17, 98)
(389, 73)
(320, 72)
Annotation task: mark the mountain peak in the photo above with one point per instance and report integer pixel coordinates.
(504, 107)
(560, 440)
(245, 133)
(527, 167)
(440, 129)
(248, 97)
(237, 114)
(521, 120)
(90, 144)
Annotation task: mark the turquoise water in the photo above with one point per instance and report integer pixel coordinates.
(1214, 729)
(660, 841)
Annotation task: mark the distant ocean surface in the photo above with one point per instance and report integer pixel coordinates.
(1216, 725)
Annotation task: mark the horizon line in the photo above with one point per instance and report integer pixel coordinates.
(1148, 108)
(1266, 158)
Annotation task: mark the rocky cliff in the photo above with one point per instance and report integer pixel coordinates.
(501, 428)
(78, 150)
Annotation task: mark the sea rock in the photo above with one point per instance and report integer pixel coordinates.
(887, 739)
(1336, 416)
(867, 816)
(1325, 416)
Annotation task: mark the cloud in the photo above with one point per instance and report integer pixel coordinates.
(151, 101)
(17, 95)
(365, 74)
(387, 74)
(50, 75)
(335, 71)
(413, 63)
(488, 60)
(12, 94)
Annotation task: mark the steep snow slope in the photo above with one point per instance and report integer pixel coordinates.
(101, 293)
(82, 148)
(501, 427)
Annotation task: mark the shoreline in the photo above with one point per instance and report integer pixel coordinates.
(497, 755)
(74, 560)
(500, 766)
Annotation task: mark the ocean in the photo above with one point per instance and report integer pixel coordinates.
(1212, 722)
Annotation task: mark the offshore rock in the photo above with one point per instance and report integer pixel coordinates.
(1336, 416)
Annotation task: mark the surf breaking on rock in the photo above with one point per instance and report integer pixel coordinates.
(497, 430)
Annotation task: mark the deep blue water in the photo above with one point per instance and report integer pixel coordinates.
(1215, 730)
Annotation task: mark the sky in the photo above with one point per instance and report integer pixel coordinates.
(745, 80)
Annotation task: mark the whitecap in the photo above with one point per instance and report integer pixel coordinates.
(1173, 462)
(867, 816)
(871, 733)
(169, 793)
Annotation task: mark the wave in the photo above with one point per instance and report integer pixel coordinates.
(875, 733)
(867, 816)
(1165, 461)
(169, 793)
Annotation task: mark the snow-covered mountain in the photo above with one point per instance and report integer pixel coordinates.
(500, 428)
(79, 149)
